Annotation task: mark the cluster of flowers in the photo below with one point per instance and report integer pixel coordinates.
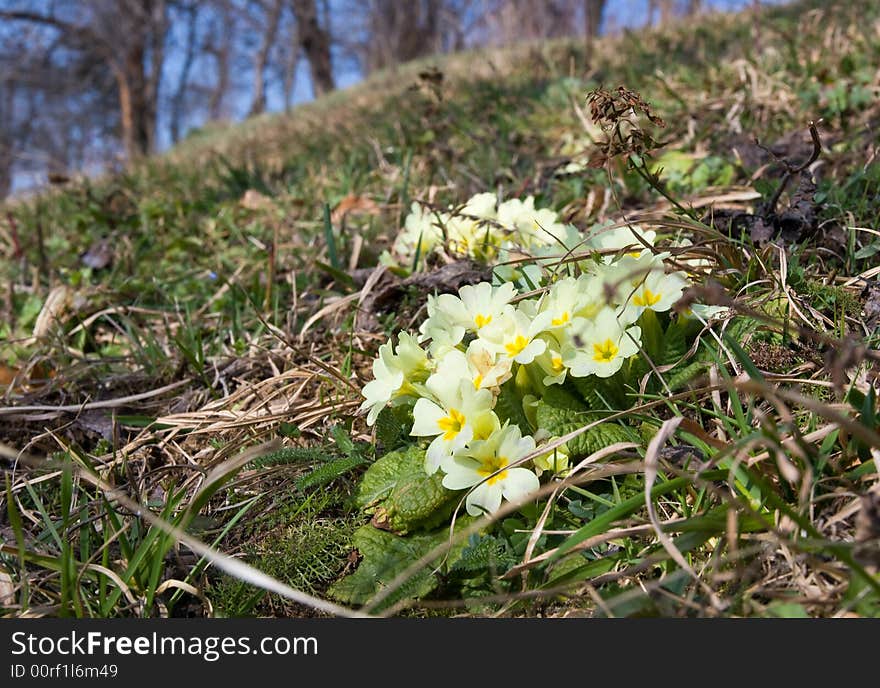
(473, 343)
(482, 228)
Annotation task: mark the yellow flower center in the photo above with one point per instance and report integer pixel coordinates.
(516, 346)
(556, 364)
(561, 320)
(492, 464)
(452, 424)
(605, 352)
(482, 320)
(478, 380)
(646, 298)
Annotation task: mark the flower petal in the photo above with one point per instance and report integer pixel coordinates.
(484, 498)
(518, 483)
(461, 473)
(426, 415)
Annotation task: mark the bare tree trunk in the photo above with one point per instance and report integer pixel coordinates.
(7, 137)
(593, 11)
(5, 172)
(258, 100)
(7, 158)
(133, 104)
(138, 89)
(315, 42)
(289, 82)
(157, 13)
(177, 101)
(220, 51)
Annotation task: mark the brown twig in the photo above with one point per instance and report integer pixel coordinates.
(791, 170)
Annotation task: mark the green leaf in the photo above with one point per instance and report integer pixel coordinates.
(559, 397)
(386, 556)
(652, 336)
(681, 375)
(331, 240)
(560, 413)
(401, 496)
(591, 391)
(867, 251)
(335, 273)
(393, 425)
(764, 187)
(675, 342)
(486, 553)
(343, 439)
(740, 354)
(786, 610)
(330, 471)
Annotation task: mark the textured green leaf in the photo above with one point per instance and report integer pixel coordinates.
(674, 342)
(486, 553)
(560, 420)
(400, 495)
(679, 376)
(560, 397)
(393, 426)
(328, 472)
(386, 556)
(602, 394)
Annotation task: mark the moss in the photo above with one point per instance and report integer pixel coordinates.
(832, 298)
(304, 543)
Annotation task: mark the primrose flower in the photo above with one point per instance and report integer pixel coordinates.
(515, 213)
(544, 229)
(488, 370)
(610, 239)
(462, 414)
(420, 232)
(480, 365)
(529, 274)
(515, 335)
(622, 278)
(694, 262)
(475, 307)
(652, 290)
(535, 226)
(556, 461)
(550, 362)
(570, 298)
(481, 206)
(488, 464)
(439, 328)
(600, 346)
(467, 237)
(394, 374)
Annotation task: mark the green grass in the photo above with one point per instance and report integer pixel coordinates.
(225, 248)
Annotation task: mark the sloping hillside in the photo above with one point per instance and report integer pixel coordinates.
(194, 335)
